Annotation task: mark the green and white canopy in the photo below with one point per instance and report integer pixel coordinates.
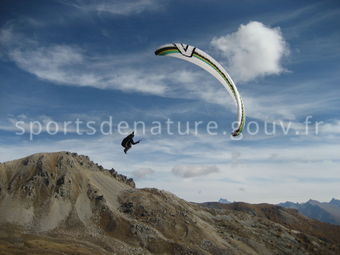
(203, 60)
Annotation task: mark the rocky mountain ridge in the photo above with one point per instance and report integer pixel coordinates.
(63, 203)
(328, 212)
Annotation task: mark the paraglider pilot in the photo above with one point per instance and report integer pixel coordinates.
(128, 142)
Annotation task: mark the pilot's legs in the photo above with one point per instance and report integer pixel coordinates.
(127, 148)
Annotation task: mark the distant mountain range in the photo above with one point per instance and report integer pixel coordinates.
(328, 212)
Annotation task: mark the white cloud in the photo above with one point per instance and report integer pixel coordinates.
(126, 7)
(193, 171)
(265, 179)
(50, 63)
(142, 172)
(253, 50)
(115, 7)
(331, 128)
(70, 65)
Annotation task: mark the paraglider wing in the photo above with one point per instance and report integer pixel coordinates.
(203, 60)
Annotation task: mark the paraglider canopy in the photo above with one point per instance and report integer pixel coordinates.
(200, 58)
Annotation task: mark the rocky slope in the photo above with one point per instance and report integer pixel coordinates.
(63, 203)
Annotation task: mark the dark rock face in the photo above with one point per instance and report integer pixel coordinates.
(60, 181)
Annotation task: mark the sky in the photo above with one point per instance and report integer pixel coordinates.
(77, 75)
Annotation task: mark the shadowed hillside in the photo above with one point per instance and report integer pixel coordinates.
(63, 203)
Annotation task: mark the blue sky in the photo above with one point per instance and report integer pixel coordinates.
(64, 60)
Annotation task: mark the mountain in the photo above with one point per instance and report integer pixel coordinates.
(335, 202)
(224, 201)
(63, 203)
(322, 211)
